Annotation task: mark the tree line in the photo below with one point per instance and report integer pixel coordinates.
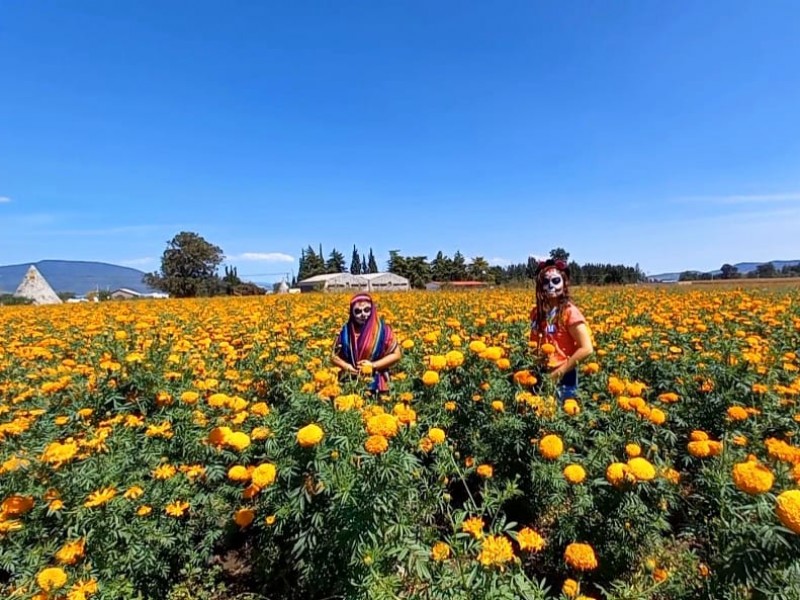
(445, 269)
(728, 271)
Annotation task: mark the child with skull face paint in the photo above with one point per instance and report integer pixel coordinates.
(366, 344)
(558, 328)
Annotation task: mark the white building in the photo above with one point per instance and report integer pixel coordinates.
(347, 282)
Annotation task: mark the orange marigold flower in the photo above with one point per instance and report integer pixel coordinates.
(570, 588)
(383, 425)
(574, 473)
(244, 516)
(376, 444)
(177, 508)
(71, 552)
(737, 413)
(485, 471)
(752, 477)
(580, 557)
(551, 446)
(787, 507)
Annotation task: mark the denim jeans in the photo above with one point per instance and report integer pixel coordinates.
(568, 386)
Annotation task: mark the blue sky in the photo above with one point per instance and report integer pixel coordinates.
(663, 133)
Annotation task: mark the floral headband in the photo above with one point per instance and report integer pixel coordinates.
(559, 264)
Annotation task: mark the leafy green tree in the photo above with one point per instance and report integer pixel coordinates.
(188, 267)
(766, 271)
(441, 267)
(729, 271)
(355, 262)
(311, 264)
(459, 267)
(336, 262)
(559, 254)
(372, 264)
(478, 269)
(231, 280)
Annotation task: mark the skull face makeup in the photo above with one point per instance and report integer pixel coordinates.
(361, 312)
(553, 283)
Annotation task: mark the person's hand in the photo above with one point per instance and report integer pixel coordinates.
(352, 370)
(558, 373)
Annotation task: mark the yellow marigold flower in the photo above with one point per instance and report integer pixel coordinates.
(238, 473)
(100, 497)
(177, 508)
(618, 474)
(551, 446)
(450, 406)
(580, 557)
(260, 433)
(385, 425)
(574, 473)
(244, 516)
(570, 588)
(407, 344)
(189, 397)
(737, 413)
(264, 475)
(591, 368)
(530, 540)
(437, 362)
(51, 578)
(260, 409)
(218, 400)
(752, 477)
(430, 378)
(436, 435)
(144, 510)
(58, 453)
(82, 589)
(133, 492)
(657, 416)
(497, 406)
(71, 552)
(616, 386)
(454, 358)
(633, 450)
(787, 507)
(477, 347)
(164, 472)
(485, 471)
(310, 435)
(376, 444)
(642, 469)
(238, 440)
(440, 552)
(270, 520)
(547, 348)
(496, 551)
(698, 436)
(571, 407)
(473, 526)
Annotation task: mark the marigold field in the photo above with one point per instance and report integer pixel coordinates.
(206, 449)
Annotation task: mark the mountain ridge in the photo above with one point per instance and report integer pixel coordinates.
(742, 267)
(77, 276)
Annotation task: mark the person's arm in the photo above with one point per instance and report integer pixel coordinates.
(579, 333)
(338, 361)
(385, 361)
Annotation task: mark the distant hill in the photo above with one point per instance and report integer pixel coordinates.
(743, 267)
(79, 277)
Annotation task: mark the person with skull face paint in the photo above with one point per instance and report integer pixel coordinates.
(366, 344)
(558, 326)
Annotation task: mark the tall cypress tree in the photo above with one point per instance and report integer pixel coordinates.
(372, 264)
(355, 262)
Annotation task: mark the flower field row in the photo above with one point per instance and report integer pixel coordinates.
(169, 449)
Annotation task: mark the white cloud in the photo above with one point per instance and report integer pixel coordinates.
(538, 257)
(744, 198)
(263, 257)
(499, 262)
(138, 262)
(4, 199)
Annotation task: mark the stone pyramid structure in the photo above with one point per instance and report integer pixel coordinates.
(35, 287)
